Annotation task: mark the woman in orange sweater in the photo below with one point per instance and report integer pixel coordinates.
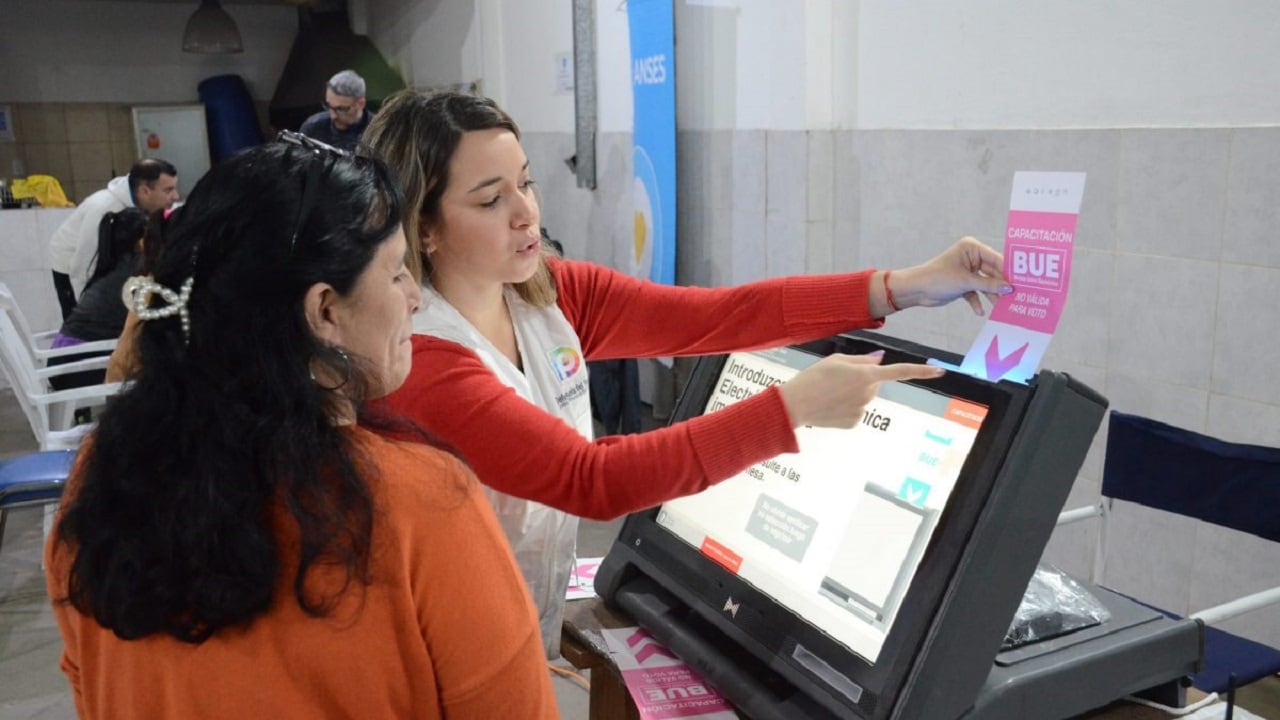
(233, 542)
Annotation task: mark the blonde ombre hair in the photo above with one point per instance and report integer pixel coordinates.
(416, 135)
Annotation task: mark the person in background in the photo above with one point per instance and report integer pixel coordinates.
(100, 314)
(232, 542)
(344, 117)
(507, 327)
(152, 184)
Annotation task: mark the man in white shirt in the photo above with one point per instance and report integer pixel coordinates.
(152, 184)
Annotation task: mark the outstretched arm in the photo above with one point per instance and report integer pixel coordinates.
(519, 449)
(618, 316)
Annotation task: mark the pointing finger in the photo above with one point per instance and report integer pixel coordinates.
(909, 371)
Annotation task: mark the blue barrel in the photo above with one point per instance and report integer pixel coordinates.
(233, 124)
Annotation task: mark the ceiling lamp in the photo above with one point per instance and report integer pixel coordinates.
(211, 30)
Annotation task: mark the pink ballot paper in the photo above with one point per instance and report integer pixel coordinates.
(662, 686)
(582, 578)
(1037, 261)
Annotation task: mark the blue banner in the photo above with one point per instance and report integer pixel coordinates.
(653, 85)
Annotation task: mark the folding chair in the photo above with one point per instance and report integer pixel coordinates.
(1232, 485)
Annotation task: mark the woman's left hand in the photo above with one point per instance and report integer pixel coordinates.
(966, 269)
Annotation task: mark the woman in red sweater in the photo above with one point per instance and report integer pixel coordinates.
(233, 544)
(501, 344)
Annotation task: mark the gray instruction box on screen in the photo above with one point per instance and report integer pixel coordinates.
(783, 528)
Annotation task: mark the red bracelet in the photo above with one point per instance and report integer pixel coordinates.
(888, 293)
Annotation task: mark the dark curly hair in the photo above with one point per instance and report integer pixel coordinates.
(224, 430)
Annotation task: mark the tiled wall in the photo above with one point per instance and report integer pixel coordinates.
(1174, 309)
(83, 145)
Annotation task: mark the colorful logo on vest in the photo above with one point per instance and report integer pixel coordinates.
(565, 361)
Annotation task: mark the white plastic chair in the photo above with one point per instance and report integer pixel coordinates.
(51, 413)
(37, 343)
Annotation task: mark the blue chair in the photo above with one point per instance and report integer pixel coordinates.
(33, 479)
(1232, 485)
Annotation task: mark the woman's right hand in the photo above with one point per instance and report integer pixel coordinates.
(834, 390)
(967, 269)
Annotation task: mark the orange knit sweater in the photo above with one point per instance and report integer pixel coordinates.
(445, 630)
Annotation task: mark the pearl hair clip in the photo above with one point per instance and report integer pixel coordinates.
(137, 294)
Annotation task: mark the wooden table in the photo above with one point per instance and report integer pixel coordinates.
(582, 643)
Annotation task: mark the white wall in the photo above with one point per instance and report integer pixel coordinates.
(530, 36)
(430, 42)
(613, 68)
(757, 64)
(1068, 64)
(742, 64)
(78, 51)
(510, 47)
(821, 64)
(753, 64)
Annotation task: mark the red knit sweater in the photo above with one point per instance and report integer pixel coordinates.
(522, 450)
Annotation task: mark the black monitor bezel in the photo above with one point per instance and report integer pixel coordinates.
(770, 631)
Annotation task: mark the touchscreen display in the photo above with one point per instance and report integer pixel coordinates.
(836, 532)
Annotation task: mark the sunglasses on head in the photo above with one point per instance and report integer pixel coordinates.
(289, 137)
(310, 181)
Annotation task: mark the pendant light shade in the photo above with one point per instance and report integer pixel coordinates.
(211, 30)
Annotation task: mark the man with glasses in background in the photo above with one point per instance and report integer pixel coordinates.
(344, 116)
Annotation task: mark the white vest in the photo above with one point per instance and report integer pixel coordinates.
(543, 539)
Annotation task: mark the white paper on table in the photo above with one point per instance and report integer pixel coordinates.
(1218, 711)
(582, 579)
